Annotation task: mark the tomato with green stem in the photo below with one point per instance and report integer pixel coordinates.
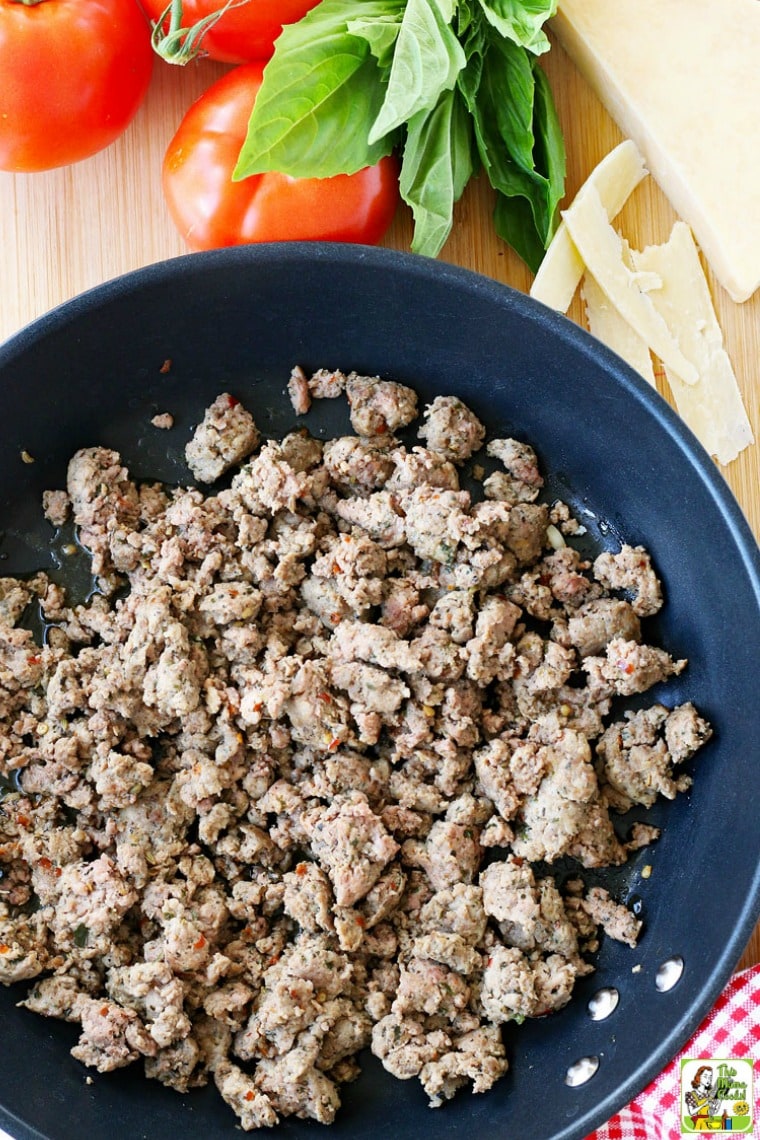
(72, 75)
(211, 210)
(235, 31)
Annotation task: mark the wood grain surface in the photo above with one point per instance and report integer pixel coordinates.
(64, 231)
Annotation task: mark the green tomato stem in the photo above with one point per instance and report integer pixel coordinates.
(177, 44)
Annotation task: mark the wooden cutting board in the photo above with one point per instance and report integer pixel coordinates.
(67, 230)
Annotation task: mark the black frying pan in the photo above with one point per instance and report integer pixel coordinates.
(237, 320)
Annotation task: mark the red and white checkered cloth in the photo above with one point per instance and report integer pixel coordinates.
(731, 1029)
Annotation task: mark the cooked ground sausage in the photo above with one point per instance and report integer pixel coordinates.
(275, 793)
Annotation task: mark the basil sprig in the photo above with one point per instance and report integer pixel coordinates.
(454, 86)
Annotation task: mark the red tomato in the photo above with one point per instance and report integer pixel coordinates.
(245, 32)
(210, 210)
(72, 75)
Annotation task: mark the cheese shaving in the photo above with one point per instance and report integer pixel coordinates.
(614, 178)
(713, 407)
(602, 251)
(654, 301)
(606, 324)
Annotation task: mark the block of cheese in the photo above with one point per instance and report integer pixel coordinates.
(682, 79)
(614, 178)
(712, 407)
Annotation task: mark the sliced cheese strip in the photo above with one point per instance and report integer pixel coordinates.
(713, 407)
(615, 178)
(603, 254)
(606, 324)
(682, 79)
(643, 279)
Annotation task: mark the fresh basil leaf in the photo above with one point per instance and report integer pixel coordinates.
(505, 99)
(321, 92)
(426, 62)
(463, 152)
(513, 222)
(541, 179)
(436, 167)
(550, 145)
(458, 80)
(465, 18)
(521, 21)
(512, 181)
(447, 8)
(520, 144)
(471, 33)
(380, 32)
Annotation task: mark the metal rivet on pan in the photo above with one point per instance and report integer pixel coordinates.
(603, 1003)
(669, 974)
(582, 1071)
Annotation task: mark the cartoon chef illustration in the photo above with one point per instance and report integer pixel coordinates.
(701, 1101)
